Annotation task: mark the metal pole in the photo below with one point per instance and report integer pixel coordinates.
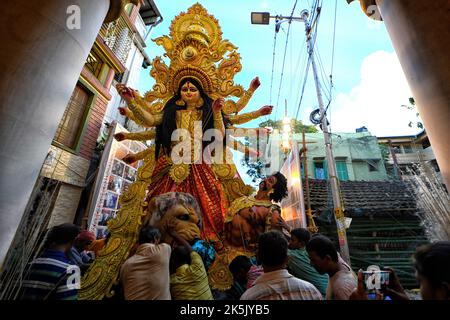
(305, 171)
(394, 160)
(338, 212)
(311, 224)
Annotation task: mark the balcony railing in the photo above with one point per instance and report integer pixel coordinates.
(415, 157)
(118, 37)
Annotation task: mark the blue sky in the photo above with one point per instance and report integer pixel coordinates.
(369, 85)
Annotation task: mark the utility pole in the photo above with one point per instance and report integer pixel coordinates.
(338, 212)
(311, 224)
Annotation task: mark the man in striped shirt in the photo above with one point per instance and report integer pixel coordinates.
(276, 283)
(52, 276)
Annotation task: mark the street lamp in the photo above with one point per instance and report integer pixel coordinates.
(260, 17)
(286, 134)
(264, 17)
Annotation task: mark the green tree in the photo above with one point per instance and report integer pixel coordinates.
(412, 106)
(297, 126)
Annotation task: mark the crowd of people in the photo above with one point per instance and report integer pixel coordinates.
(300, 266)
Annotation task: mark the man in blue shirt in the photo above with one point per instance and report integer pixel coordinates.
(52, 276)
(77, 254)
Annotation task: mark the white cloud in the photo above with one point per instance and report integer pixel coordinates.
(375, 102)
(264, 4)
(374, 25)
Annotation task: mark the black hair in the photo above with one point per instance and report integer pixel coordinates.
(322, 246)
(149, 234)
(280, 189)
(180, 255)
(168, 125)
(239, 263)
(62, 234)
(301, 234)
(432, 261)
(272, 248)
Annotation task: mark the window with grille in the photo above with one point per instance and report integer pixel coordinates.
(320, 170)
(341, 169)
(407, 148)
(373, 165)
(72, 122)
(94, 64)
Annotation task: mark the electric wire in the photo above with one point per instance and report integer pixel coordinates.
(285, 52)
(273, 62)
(313, 36)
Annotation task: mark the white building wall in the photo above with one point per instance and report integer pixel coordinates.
(133, 66)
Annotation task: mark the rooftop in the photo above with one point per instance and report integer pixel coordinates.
(363, 198)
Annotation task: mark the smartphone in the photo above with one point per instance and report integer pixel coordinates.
(375, 280)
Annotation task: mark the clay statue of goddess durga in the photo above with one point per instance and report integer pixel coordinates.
(191, 98)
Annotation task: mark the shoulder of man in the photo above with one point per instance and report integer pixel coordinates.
(69, 284)
(343, 285)
(308, 286)
(165, 246)
(249, 294)
(196, 259)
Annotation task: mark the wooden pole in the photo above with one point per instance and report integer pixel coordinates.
(311, 224)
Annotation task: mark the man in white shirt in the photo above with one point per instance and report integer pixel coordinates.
(276, 283)
(145, 275)
(325, 259)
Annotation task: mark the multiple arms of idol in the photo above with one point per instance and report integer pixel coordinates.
(144, 114)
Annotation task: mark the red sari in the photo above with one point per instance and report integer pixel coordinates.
(203, 185)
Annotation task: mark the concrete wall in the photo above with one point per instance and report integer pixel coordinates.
(66, 205)
(361, 171)
(347, 147)
(64, 166)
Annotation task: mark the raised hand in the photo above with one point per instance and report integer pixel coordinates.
(123, 111)
(360, 292)
(218, 105)
(266, 110)
(119, 136)
(255, 84)
(265, 130)
(126, 93)
(129, 158)
(253, 153)
(394, 289)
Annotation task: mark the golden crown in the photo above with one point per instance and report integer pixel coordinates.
(195, 49)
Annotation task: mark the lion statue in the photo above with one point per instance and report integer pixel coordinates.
(180, 207)
(183, 209)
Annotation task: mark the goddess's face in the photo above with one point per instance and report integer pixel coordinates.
(190, 93)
